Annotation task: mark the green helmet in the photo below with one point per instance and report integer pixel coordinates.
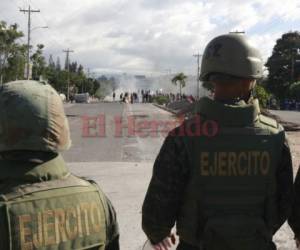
(231, 54)
(32, 118)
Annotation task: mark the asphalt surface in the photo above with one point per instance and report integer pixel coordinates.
(290, 116)
(87, 149)
(121, 163)
(113, 144)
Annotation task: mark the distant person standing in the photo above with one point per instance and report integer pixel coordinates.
(131, 98)
(143, 96)
(126, 97)
(147, 97)
(114, 96)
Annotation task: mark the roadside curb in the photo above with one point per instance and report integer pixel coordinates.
(165, 108)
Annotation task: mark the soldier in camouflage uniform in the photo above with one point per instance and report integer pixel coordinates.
(228, 187)
(42, 205)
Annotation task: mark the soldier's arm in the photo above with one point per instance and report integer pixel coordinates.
(4, 242)
(294, 220)
(285, 186)
(112, 227)
(165, 191)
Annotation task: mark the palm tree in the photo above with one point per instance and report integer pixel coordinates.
(181, 77)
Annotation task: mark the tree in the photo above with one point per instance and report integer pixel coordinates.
(179, 78)
(10, 50)
(15, 65)
(80, 70)
(58, 65)
(51, 63)
(61, 81)
(96, 85)
(73, 67)
(13, 60)
(262, 95)
(51, 72)
(38, 63)
(281, 64)
(294, 91)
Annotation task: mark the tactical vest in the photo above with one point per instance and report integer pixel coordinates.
(62, 214)
(231, 193)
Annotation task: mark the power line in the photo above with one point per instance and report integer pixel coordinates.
(29, 11)
(68, 51)
(237, 32)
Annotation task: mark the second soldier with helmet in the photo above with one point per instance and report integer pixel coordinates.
(232, 191)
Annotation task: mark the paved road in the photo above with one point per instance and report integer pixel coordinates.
(122, 165)
(290, 116)
(94, 149)
(116, 145)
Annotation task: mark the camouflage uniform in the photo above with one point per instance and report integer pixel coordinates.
(175, 192)
(294, 220)
(167, 187)
(42, 205)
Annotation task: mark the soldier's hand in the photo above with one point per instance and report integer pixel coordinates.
(166, 244)
(297, 243)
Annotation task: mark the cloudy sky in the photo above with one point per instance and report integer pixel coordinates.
(149, 36)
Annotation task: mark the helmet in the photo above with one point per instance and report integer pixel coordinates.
(231, 55)
(32, 118)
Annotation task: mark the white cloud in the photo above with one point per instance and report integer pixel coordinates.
(149, 35)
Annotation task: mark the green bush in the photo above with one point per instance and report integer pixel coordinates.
(262, 95)
(161, 100)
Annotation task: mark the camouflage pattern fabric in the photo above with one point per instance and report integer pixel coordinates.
(61, 212)
(171, 174)
(32, 118)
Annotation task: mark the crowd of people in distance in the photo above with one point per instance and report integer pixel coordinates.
(291, 105)
(147, 96)
(286, 104)
(142, 96)
(129, 97)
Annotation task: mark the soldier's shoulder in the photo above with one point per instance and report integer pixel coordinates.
(271, 124)
(90, 181)
(180, 129)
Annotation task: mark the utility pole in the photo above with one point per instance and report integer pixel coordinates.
(198, 56)
(29, 11)
(68, 51)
